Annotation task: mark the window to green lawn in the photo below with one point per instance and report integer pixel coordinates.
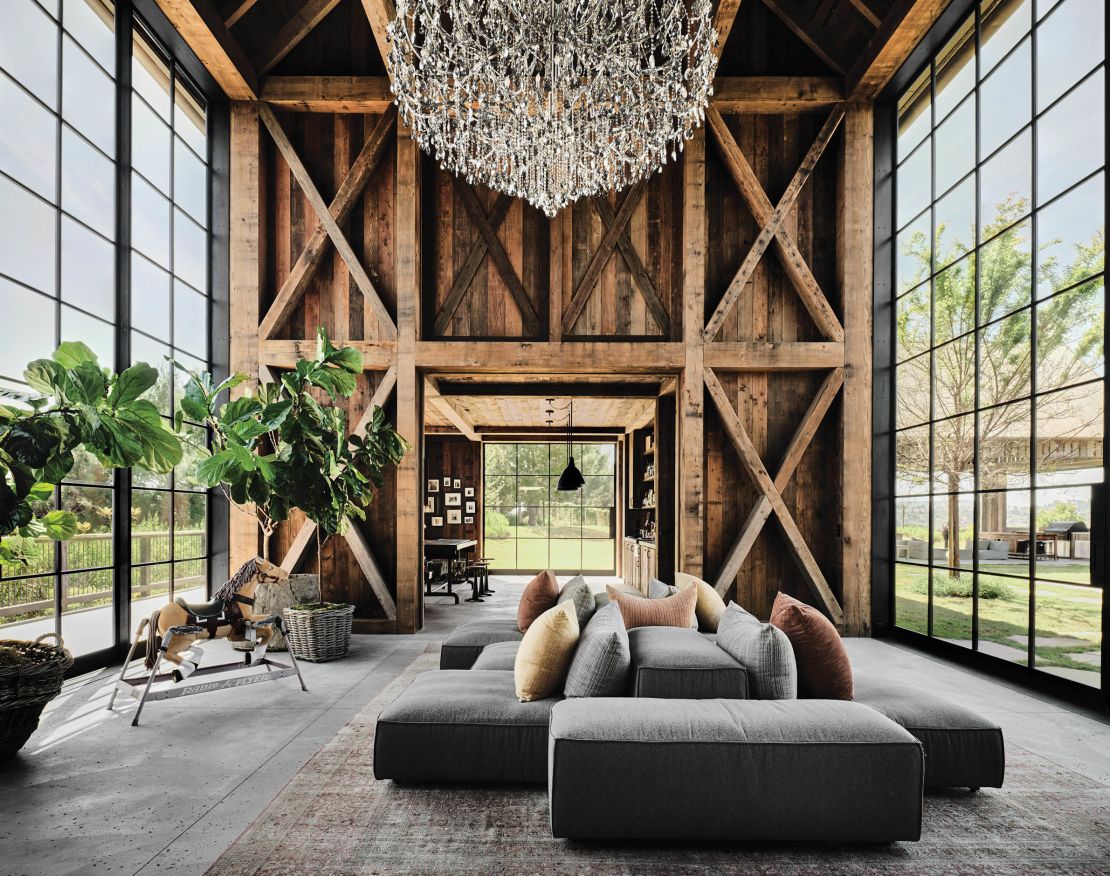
(529, 525)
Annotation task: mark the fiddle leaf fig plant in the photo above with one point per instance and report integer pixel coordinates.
(74, 402)
(280, 448)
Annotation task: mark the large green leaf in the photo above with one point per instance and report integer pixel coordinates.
(212, 470)
(70, 354)
(132, 383)
(60, 525)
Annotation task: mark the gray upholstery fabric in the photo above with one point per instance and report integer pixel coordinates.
(658, 590)
(462, 726)
(579, 591)
(798, 770)
(499, 655)
(462, 647)
(682, 664)
(763, 650)
(601, 598)
(962, 749)
(602, 659)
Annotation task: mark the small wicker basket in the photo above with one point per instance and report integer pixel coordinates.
(319, 632)
(31, 675)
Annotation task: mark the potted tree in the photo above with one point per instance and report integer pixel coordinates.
(73, 403)
(281, 449)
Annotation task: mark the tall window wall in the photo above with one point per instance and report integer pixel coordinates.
(529, 525)
(128, 275)
(1000, 220)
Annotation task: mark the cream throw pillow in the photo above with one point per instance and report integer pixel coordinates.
(545, 653)
(710, 606)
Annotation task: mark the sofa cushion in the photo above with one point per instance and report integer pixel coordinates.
(824, 670)
(674, 611)
(464, 643)
(763, 650)
(578, 591)
(962, 749)
(602, 659)
(658, 590)
(674, 663)
(457, 726)
(709, 607)
(499, 655)
(540, 594)
(786, 770)
(545, 653)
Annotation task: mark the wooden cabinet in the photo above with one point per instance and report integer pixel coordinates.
(639, 564)
(648, 567)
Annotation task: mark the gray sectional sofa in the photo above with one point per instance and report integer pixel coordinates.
(685, 734)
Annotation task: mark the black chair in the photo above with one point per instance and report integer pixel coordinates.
(438, 574)
(477, 573)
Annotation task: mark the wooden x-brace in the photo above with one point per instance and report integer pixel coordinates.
(771, 500)
(487, 225)
(470, 266)
(356, 541)
(770, 220)
(616, 235)
(328, 224)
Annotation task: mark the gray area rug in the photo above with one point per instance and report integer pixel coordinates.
(335, 819)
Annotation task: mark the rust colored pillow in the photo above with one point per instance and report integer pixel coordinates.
(540, 594)
(824, 671)
(673, 611)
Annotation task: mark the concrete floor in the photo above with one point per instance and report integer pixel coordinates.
(90, 794)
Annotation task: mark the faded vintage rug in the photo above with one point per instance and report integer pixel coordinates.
(334, 819)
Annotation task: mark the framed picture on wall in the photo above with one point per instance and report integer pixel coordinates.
(430, 505)
(447, 482)
(471, 507)
(433, 485)
(468, 520)
(458, 484)
(454, 516)
(452, 500)
(468, 492)
(437, 521)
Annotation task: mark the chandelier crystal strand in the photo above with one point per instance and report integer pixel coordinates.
(552, 101)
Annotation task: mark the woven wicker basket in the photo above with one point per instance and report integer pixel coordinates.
(28, 681)
(319, 634)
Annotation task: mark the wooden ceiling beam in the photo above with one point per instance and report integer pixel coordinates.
(448, 411)
(233, 10)
(903, 28)
(723, 20)
(203, 29)
(776, 94)
(380, 13)
(797, 16)
(537, 389)
(864, 9)
(328, 94)
(289, 35)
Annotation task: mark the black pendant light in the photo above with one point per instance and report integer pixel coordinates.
(571, 479)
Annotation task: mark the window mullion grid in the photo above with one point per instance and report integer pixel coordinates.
(58, 296)
(173, 352)
(976, 522)
(1031, 652)
(932, 334)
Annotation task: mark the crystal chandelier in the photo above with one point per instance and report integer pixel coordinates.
(552, 100)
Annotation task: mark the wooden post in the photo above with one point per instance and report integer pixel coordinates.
(691, 477)
(245, 277)
(854, 251)
(410, 517)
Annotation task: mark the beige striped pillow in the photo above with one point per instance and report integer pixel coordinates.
(710, 606)
(674, 611)
(545, 653)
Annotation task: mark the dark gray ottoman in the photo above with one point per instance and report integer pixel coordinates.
(674, 663)
(499, 655)
(962, 749)
(462, 647)
(768, 770)
(462, 726)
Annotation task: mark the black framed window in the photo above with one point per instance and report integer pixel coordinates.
(105, 237)
(529, 525)
(998, 284)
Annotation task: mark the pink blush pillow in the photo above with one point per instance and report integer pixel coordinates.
(824, 671)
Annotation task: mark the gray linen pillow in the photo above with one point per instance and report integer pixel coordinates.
(763, 650)
(658, 590)
(578, 590)
(602, 660)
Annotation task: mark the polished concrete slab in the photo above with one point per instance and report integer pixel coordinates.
(91, 794)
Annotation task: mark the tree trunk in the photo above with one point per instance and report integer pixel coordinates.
(953, 527)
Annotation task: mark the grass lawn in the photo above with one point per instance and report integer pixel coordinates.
(529, 548)
(1068, 611)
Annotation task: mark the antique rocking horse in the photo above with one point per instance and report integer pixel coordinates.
(172, 630)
